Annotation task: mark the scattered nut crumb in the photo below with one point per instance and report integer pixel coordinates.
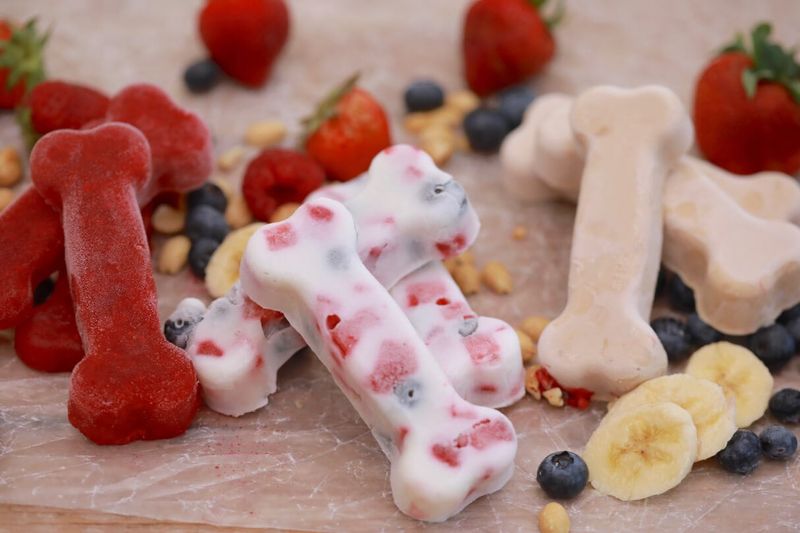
(174, 254)
(230, 158)
(464, 101)
(554, 519)
(467, 278)
(519, 233)
(265, 133)
(532, 382)
(527, 346)
(554, 397)
(167, 220)
(10, 167)
(534, 325)
(284, 211)
(496, 277)
(237, 214)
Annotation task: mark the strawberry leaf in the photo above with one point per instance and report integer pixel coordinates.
(22, 55)
(750, 82)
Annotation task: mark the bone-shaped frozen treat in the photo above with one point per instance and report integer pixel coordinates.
(602, 341)
(132, 384)
(410, 221)
(480, 355)
(444, 451)
(31, 241)
(744, 270)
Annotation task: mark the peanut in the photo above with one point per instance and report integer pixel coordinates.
(534, 325)
(464, 101)
(230, 158)
(446, 116)
(417, 121)
(265, 133)
(496, 277)
(284, 211)
(6, 197)
(532, 382)
(467, 278)
(554, 519)
(527, 346)
(554, 397)
(237, 214)
(174, 254)
(519, 233)
(10, 167)
(439, 147)
(167, 220)
(466, 258)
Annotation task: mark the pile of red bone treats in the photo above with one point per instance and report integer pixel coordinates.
(85, 218)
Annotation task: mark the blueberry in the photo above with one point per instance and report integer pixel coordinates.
(785, 405)
(742, 453)
(202, 76)
(673, 336)
(773, 345)
(208, 194)
(793, 327)
(43, 291)
(789, 314)
(485, 129)
(423, 95)
(177, 331)
(468, 326)
(777, 442)
(700, 332)
(681, 297)
(408, 392)
(206, 222)
(562, 475)
(200, 254)
(513, 102)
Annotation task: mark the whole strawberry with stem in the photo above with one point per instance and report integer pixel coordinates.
(747, 107)
(348, 129)
(505, 42)
(245, 37)
(21, 62)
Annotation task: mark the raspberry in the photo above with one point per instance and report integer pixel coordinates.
(278, 176)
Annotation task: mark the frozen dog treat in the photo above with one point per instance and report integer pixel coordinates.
(444, 451)
(744, 270)
(602, 341)
(480, 355)
(132, 384)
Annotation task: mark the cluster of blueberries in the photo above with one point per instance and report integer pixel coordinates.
(205, 225)
(486, 126)
(774, 345)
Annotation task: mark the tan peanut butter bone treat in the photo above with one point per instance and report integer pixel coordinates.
(744, 270)
(602, 341)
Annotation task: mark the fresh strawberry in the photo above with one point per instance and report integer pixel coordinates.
(245, 36)
(278, 176)
(57, 105)
(348, 128)
(747, 107)
(505, 42)
(21, 66)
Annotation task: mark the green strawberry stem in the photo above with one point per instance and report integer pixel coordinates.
(553, 19)
(770, 62)
(22, 55)
(327, 107)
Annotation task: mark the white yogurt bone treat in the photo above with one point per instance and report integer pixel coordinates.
(603, 341)
(480, 355)
(444, 452)
(744, 270)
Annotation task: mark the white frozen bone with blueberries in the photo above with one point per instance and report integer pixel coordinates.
(602, 341)
(444, 452)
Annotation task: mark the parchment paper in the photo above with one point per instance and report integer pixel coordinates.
(307, 461)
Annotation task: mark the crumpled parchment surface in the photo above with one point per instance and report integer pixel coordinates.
(306, 461)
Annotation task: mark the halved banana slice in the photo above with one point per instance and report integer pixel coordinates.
(740, 374)
(642, 451)
(712, 413)
(222, 271)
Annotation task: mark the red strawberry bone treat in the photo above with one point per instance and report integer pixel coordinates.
(57, 105)
(244, 37)
(444, 451)
(31, 241)
(49, 340)
(747, 107)
(132, 384)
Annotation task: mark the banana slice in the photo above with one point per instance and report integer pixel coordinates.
(741, 375)
(222, 271)
(712, 413)
(642, 451)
